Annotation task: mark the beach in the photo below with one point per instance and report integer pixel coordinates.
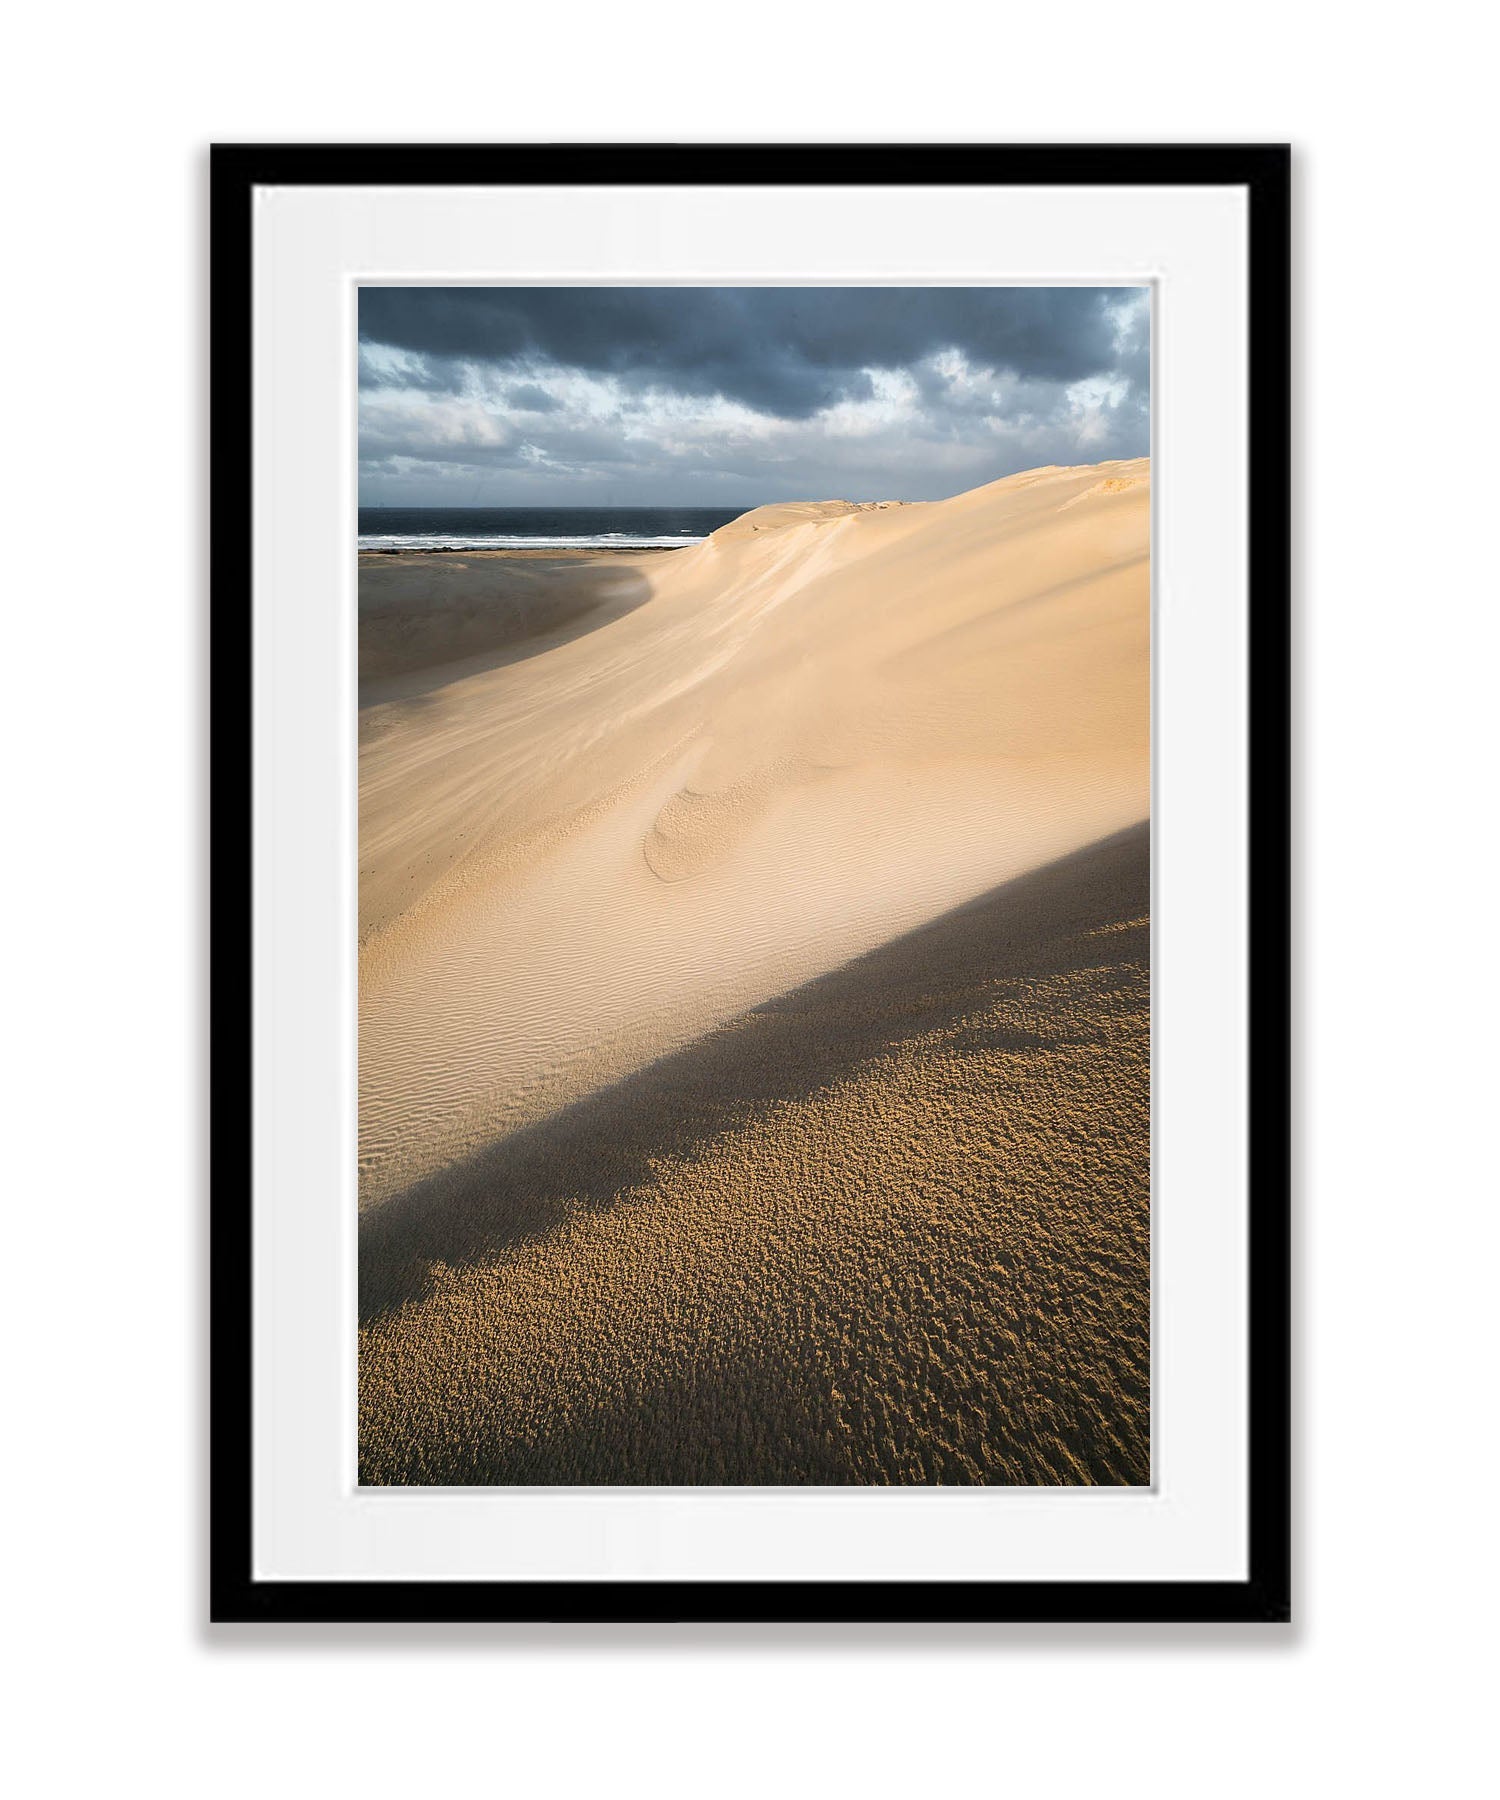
(754, 1000)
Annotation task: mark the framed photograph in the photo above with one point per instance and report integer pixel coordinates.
(750, 883)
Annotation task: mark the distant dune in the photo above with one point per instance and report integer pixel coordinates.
(425, 620)
(753, 1000)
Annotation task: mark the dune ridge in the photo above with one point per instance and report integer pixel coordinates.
(665, 802)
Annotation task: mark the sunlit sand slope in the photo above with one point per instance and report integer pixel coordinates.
(817, 731)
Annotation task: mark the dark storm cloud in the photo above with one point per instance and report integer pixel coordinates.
(789, 352)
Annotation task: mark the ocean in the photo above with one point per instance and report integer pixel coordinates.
(538, 527)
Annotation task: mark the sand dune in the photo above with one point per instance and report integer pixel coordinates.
(426, 620)
(607, 807)
(892, 1227)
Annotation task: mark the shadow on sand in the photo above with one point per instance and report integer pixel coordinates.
(428, 620)
(1063, 918)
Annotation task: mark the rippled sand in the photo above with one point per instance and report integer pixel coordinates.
(891, 1228)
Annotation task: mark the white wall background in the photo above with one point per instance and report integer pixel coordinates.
(117, 1683)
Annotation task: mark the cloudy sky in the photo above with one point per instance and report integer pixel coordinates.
(733, 397)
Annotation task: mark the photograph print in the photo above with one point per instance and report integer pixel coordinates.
(754, 886)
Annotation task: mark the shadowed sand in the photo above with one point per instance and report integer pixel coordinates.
(731, 1108)
(892, 1227)
(429, 617)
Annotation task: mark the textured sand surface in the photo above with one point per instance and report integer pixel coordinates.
(893, 1227)
(734, 1103)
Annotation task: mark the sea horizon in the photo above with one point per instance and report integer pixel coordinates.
(539, 527)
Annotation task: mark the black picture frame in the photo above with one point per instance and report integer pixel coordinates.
(235, 1595)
